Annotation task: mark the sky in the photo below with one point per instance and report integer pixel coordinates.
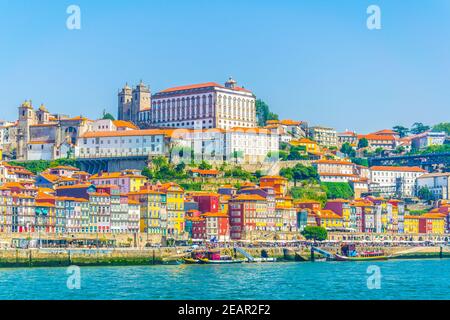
(312, 60)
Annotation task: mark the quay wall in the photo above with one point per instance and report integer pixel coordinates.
(108, 257)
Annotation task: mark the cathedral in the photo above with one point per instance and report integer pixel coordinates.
(204, 105)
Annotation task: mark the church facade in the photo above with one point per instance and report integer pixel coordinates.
(44, 136)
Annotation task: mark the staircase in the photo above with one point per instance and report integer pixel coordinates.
(247, 255)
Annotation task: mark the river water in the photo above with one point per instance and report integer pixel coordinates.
(394, 279)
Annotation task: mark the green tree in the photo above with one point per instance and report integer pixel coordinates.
(399, 149)
(363, 143)
(402, 131)
(442, 127)
(181, 167)
(146, 172)
(337, 190)
(348, 150)
(263, 113)
(297, 153)
(419, 127)
(300, 173)
(238, 172)
(425, 194)
(315, 233)
(360, 161)
(204, 165)
(284, 146)
(379, 151)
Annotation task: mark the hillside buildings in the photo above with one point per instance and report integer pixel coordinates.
(437, 183)
(324, 136)
(428, 139)
(390, 180)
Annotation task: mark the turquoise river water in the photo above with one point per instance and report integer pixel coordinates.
(400, 279)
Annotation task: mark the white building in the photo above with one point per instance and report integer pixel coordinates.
(337, 170)
(107, 144)
(204, 105)
(428, 139)
(324, 136)
(334, 166)
(391, 180)
(111, 125)
(250, 145)
(437, 183)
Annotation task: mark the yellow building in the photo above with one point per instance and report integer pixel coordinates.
(126, 180)
(328, 219)
(285, 201)
(153, 215)
(436, 221)
(175, 208)
(223, 202)
(411, 224)
(310, 146)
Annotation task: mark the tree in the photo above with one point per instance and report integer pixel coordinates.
(419, 127)
(146, 172)
(315, 233)
(399, 149)
(363, 143)
(284, 145)
(299, 173)
(181, 167)
(296, 153)
(204, 165)
(238, 172)
(379, 151)
(337, 190)
(108, 116)
(402, 131)
(361, 161)
(425, 194)
(348, 150)
(263, 113)
(442, 127)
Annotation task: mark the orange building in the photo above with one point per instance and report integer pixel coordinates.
(278, 183)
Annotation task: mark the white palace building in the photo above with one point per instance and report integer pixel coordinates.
(200, 106)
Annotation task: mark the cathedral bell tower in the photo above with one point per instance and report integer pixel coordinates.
(141, 101)
(124, 103)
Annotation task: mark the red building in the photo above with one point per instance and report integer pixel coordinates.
(243, 211)
(207, 202)
(198, 228)
(217, 226)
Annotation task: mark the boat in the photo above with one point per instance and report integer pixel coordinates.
(264, 260)
(213, 256)
(191, 260)
(349, 253)
(221, 261)
(172, 262)
(361, 258)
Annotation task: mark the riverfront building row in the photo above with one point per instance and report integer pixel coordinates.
(65, 200)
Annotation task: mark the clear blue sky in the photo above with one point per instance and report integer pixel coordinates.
(309, 60)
